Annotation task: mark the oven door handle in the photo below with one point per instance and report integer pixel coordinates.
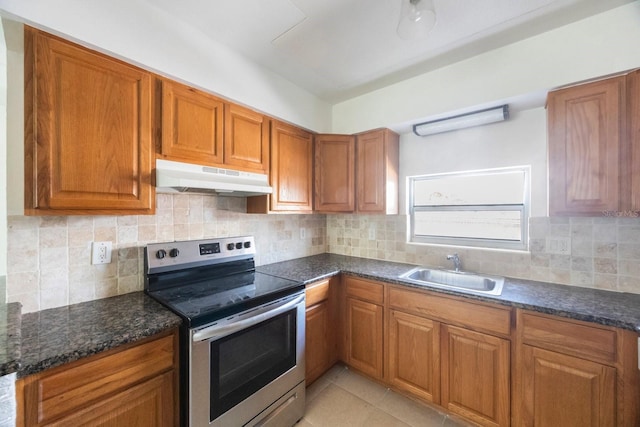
(253, 318)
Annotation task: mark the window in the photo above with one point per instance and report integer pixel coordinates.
(487, 208)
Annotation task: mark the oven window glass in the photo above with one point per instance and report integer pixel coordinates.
(246, 361)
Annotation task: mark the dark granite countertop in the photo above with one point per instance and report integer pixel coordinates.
(617, 309)
(36, 341)
(10, 318)
(61, 335)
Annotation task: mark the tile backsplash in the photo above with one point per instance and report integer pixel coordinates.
(49, 258)
(590, 252)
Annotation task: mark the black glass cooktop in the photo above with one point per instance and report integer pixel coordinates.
(208, 300)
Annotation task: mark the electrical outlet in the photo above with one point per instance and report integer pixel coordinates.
(372, 233)
(303, 233)
(101, 253)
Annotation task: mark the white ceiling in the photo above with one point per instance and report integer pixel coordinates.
(338, 49)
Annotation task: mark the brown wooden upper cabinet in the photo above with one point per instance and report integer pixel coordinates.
(88, 131)
(246, 139)
(377, 159)
(372, 188)
(192, 124)
(335, 173)
(633, 117)
(290, 172)
(198, 127)
(594, 132)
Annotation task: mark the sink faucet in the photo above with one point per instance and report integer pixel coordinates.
(456, 261)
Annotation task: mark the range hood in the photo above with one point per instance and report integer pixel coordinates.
(178, 177)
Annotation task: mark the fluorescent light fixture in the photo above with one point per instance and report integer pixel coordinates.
(475, 118)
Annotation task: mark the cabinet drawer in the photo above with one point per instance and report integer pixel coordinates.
(317, 292)
(474, 316)
(69, 388)
(581, 340)
(364, 289)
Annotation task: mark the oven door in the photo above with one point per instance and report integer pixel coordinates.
(241, 365)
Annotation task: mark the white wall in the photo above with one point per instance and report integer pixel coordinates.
(14, 39)
(137, 32)
(3, 156)
(599, 45)
(519, 141)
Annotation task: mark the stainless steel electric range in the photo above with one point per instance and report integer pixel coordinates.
(242, 340)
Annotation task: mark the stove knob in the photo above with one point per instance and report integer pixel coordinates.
(231, 246)
(247, 245)
(174, 252)
(239, 245)
(161, 254)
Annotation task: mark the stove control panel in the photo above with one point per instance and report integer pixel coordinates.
(209, 248)
(175, 254)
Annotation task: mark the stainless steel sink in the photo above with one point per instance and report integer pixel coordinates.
(459, 280)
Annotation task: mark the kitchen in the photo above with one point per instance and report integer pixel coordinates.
(46, 255)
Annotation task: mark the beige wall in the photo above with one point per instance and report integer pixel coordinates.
(605, 252)
(50, 257)
(3, 157)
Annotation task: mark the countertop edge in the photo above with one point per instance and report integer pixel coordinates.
(62, 335)
(11, 364)
(72, 356)
(570, 302)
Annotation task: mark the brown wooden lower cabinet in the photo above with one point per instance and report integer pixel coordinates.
(565, 390)
(135, 385)
(475, 361)
(572, 373)
(318, 352)
(414, 355)
(465, 371)
(321, 329)
(475, 376)
(364, 329)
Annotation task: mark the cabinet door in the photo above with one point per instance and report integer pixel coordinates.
(135, 381)
(291, 168)
(414, 355)
(334, 173)
(377, 172)
(475, 376)
(565, 391)
(88, 131)
(146, 404)
(192, 125)
(633, 91)
(246, 139)
(585, 133)
(318, 341)
(364, 337)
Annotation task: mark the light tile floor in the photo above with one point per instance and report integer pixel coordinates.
(343, 398)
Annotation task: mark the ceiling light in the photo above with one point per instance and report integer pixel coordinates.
(475, 118)
(417, 18)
